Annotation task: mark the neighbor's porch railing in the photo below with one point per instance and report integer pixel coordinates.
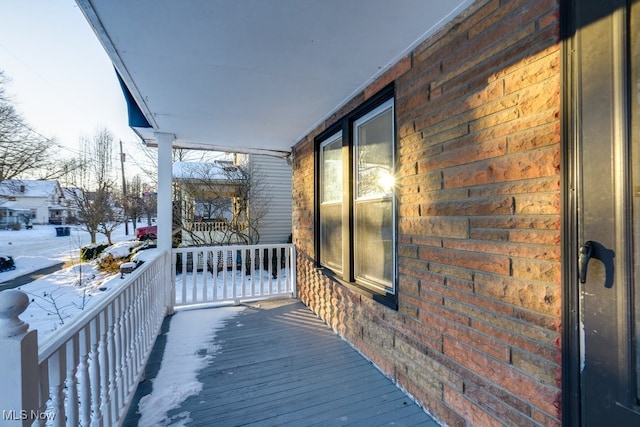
(230, 274)
(88, 372)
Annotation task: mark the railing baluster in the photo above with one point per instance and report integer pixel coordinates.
(128, 334)
(105, 371)
(83, 377)
(261, 251)
(252, 273)
(234, 274)
(243, 272)
(224, 274)
(117, 355)
(94, 370)
(205, 273)
(57, 364)
(277, 269)
(73, 359)
(270, 271)
(43, 374)
(184, 276)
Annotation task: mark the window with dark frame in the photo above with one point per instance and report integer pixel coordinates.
(356, 203)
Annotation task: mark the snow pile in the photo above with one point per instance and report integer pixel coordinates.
(188, 350)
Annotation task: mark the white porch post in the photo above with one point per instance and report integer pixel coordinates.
(18, 362)
(165, 208)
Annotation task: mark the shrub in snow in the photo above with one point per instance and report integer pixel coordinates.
(89, 252)
(6, 262)
(115, 255)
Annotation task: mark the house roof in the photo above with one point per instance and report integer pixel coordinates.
(253, 76)
(217, 171)
(13, 205)
(27, 188)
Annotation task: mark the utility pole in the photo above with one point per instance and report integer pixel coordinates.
(124, 193)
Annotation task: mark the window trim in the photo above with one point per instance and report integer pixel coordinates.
(346, 127)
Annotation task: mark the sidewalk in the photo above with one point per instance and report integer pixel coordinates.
(30, 277)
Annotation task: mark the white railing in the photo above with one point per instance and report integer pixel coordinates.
(88, 372)
(207, 226)
(230, 274)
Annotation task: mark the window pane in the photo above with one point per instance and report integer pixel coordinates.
(374, 258)
(331, 203)
(331, 236)
(374, 156)
(332, 171)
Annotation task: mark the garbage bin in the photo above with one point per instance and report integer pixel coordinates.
(59, 231)
(67, 231)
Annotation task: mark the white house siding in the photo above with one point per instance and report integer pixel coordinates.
(37, 195)
(275, 227)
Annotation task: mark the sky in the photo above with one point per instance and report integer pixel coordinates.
(61, 79)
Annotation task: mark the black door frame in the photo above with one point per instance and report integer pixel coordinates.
(570, 294)
(570, 140)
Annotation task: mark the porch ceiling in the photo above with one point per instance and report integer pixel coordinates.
(254, 75)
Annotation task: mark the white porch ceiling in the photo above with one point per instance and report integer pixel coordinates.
(254, 75)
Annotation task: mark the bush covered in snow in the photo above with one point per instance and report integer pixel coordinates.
(116, 254)
(92, 251)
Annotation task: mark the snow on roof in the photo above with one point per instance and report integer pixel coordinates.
(219, 170)
(72, 192)
(13, 206)
(27, 188)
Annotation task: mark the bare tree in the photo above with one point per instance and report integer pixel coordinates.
(96, 202)
(222, 203)
(141, 202)
(22, 149)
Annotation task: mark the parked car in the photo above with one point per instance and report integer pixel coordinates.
(147, 233)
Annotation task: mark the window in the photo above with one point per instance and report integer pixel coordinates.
(356, 203)
(331, 203)
(373, 201)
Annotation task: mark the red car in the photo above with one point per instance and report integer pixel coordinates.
(147, 233)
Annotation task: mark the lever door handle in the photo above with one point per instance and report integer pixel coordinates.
(583, 258)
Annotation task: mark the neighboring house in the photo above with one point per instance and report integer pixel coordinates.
(273, 199)
(12, 213)
(465, 180)
(44, 199)
(247, 200)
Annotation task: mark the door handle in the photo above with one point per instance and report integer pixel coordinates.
(584, 256)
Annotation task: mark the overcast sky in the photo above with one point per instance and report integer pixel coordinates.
(62, 81)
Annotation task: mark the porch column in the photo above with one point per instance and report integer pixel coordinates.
(18, 362)
(165, 208)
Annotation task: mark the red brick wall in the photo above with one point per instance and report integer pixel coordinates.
(476, 336)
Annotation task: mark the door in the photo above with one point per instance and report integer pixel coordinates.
(605, 66)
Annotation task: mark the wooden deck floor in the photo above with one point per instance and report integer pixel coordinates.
(285, 367)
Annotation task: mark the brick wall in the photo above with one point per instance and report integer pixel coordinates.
(476, 337)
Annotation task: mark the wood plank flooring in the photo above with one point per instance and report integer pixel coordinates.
(277, 364)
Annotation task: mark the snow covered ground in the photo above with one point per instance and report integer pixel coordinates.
(40, 247)
(57, 297)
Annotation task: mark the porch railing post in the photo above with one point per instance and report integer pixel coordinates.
(19, 362)
(169, 273)
(294, 272)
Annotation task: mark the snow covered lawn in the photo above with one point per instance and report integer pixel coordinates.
(40, 247)
(57, 297)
